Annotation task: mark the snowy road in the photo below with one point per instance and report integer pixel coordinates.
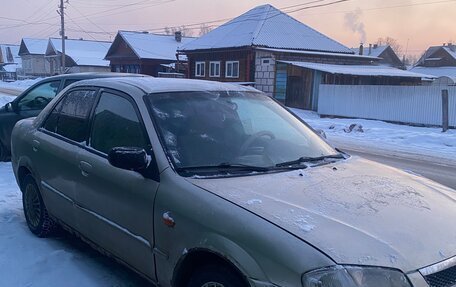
(28, 261)
(439, 172)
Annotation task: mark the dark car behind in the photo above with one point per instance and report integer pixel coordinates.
(34, 99)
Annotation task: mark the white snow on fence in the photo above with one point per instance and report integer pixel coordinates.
(406, 104)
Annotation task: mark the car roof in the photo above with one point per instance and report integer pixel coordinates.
(157, 85)
(92, 75)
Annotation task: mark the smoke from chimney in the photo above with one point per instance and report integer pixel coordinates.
(353, 21)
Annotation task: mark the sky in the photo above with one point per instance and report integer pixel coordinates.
(415, 24)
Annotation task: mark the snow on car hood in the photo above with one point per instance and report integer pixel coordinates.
(355, 211)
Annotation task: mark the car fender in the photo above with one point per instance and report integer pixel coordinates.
(226, 250)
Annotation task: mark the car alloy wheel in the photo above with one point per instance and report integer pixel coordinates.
(35, 211)
(32, 206)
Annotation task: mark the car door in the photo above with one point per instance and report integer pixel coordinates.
(55, 147)
(116, 206)
(26, 105)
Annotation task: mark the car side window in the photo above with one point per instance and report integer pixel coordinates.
(70, 117)
(39, 97)
(116, 124)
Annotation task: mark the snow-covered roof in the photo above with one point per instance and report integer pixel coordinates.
(9, 54)
(152, 46)
(374, 51)
(449, 72)
(11, 68)
(451, 51)
(358, 70)
(317, 53)
(428, 55)
(82, 52)
(34, 46)
(266, 26)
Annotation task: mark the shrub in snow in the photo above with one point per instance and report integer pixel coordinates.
(354, 127)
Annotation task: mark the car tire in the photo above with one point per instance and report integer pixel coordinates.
(3, 153)
(215, 276)
(36, 214)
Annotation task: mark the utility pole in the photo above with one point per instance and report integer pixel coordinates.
(61, 12)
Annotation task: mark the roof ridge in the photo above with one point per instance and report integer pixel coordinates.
(156, 34)
(263, 20)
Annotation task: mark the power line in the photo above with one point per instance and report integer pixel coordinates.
(386, 7)
(282, 9)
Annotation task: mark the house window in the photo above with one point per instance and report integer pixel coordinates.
(214, 69)
(200, 69)
(232, 69)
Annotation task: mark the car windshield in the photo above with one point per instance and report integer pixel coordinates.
(222, 129)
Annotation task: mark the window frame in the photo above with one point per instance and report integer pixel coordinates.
(219, 69)
(226, 69)
(41, 127)
(203, 64)
(137, 112)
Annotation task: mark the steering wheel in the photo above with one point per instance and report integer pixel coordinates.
(39, 100)
(249, 141)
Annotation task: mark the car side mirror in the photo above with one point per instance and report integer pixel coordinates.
(9, 107)
(129, 158)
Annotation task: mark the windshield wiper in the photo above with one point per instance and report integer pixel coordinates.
(226, 166)
(309, 159)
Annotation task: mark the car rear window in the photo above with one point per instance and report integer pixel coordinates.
(69, 118)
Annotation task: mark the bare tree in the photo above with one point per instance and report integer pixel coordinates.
(410, 60)
(186, 32)
(204, 29)
(397, 48)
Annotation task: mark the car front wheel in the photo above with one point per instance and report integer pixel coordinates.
(215, 276)
(3, 154)
(35, 211)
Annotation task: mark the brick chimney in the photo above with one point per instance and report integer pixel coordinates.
(361, 49)
(178, 36)
(370, 49)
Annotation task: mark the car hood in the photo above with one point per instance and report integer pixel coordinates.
(355, 211)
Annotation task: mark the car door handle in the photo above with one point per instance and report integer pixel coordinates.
(85, 168)
(35, 145)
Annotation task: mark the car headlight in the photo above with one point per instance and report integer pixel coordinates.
(353, 276)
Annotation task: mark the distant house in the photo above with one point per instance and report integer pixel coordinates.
(146, 53)
(282, 57)
(80, 55)
(10, 62)
(32, 53)
(386, 54)
(439, 61)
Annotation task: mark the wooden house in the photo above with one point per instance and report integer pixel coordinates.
(440, 62)
(10, 62)
(385, 53)
(34, 62)
(146, 53)
(277, 53)
(80, 55)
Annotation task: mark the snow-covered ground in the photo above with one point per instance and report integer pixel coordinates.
(381, 137)
(4, 98)
(18, 85)
(26, 260)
